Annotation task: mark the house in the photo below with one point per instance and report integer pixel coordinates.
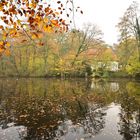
(104, 58)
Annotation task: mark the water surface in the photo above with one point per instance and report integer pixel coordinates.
(75, 109)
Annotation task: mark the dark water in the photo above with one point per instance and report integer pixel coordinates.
(76, 109)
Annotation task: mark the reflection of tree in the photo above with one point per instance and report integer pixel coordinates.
(129, 117)
(89, 124)
(41, 116)
(48, 108)
(94, 121)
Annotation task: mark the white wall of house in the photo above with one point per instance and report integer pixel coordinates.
(112, 65)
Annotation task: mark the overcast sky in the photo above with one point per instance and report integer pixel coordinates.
(104, 13)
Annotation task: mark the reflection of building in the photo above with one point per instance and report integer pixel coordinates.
(114, 86)
(114, 66)
(102, 86)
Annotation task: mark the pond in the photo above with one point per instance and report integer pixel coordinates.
(74, 109)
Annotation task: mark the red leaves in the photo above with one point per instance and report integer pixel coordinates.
(19, 11)
(19, 1)
(40, 44)
(59, 8)
(1, 27)
(26, 8)
(6, 12)
(6, 21)
(13, 10)
(54, 22)
(3, 3)
(81, 12)
(3, 18)
(31, 16)
(31, 12)
(47, 9)
(31, 20)
(58, 2)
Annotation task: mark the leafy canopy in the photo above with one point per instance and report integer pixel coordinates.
(30, 18)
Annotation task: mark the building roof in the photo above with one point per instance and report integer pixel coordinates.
(102, 53)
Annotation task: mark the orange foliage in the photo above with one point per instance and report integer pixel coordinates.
(31, 17)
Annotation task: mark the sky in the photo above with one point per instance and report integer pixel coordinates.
(105, 14)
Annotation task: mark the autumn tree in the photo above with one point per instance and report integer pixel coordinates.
(27, 24)
(125, 50)
(129, 46)
(33, 18)
(129, 28)
(87, 38)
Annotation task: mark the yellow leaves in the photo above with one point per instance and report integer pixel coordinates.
(36, 35)
(13, 32)
(14, 25)
(19, 22)
(48, 28)
(61, 62)
(1, 8)
(1, 43)
(4, 33)
(46, 20)
(4, 45)
(27, 4)
(7, 44)
(1, 50)
(40, 24)
(2, 3)
(7, 52)
(31, 16)
(32, 5)
(37, 18)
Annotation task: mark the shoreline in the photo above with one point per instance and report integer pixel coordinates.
(71, 77)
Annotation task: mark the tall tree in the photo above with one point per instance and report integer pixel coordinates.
(129, 27)
(89, 37)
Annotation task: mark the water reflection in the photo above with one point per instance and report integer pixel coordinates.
(129, 117)
(39, 109)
